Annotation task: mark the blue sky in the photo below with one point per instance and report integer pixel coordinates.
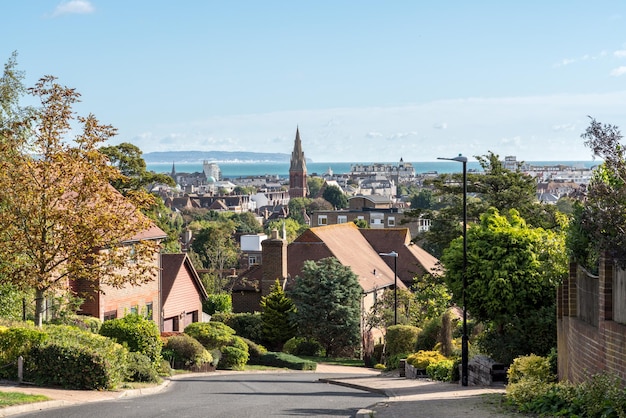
(363, 80)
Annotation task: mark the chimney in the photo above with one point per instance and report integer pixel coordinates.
(274, 256)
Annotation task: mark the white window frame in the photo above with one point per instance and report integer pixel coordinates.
(322, 220)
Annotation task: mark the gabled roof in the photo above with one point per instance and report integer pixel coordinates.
(346, 243)
(171, 265)
(412, 259)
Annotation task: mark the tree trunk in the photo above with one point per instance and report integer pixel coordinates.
(39, 308)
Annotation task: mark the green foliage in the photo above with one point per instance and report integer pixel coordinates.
(297, 208)
(314, 184)
(401, 339)
(534, 332)
(442, 370)
(217, 302)
(530, 367)
(141, 369)
(84, 322)
(136, 333)
(512, 269)
(336, 197)
(422, 359)
(234, 356)
(300, 346)
(185, 352)
(603, 218)
(422, 200)
(287, 360)
(15, 342)
(10, 301)
(255, 350)
(214, 245)
(581, 247)
(361, 223)
(245, 324)
(293, 226)
(76, 359)
(328, 302)
(429, 335)
(393, 361)
(211, 335)
(277, 316)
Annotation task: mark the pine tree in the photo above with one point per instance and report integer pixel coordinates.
(277, 316)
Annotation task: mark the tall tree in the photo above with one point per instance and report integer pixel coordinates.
(314, 184)
(215, 247)
(277, 316)
(335, 196)
(512, 273)
(59, 217)
(328, 303)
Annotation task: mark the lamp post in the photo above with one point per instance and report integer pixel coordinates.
(395, 283)
(464, 339)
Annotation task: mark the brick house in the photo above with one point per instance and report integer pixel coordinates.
(591, 323)
(182, 292)
(357, 248)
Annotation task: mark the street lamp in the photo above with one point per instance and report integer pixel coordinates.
(395, 283)
(464, 339)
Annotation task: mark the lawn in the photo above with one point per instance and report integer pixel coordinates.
(355, 362)
(17, 398)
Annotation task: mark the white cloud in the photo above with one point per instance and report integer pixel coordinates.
(618, 71)
(442, 125)
(73, 7)
(374, 135)
(620, 53)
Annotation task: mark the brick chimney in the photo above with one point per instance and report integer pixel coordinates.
(274, 256)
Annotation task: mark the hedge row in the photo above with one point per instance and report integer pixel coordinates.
(289, 361)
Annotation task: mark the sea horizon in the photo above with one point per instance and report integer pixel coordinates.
(240, 169)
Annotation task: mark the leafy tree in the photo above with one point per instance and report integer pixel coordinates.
(314, 184)
(127, 158)
(602, 219)
(319, 204)
(335, 196)
(422, 200)
(328, 299)
(512, 270)
(293, 228)
(10, 301)
(169, 221)
(215, 247)
(297, 207)
(244, 190)
(246, 223)
(278, 310)
(361, 223)
(57, 209)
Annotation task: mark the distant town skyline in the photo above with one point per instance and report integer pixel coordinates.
(363, 80)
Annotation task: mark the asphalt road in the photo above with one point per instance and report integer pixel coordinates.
(233, 395)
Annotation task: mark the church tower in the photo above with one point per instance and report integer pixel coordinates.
(297, 170)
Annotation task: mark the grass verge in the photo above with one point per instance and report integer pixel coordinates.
(17, 398)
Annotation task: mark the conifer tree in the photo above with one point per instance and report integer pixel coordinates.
(277, 316)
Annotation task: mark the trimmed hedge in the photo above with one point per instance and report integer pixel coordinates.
(289, 361)
(186, 352)
(211, 334)
(15, 342)
(141, 369)
(76, 359)
(136, 333)
(401, 339)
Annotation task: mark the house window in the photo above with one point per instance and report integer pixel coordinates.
(175, 323)
(322, 220)
(342, 219)
(149, 310)
(391, 221)
(252, 259)
(110, 315)
(134, 309)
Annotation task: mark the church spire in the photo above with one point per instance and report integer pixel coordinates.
(297, 170)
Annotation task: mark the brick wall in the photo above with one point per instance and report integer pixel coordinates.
(584, 348)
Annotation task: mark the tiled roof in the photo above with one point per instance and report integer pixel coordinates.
(346, 243)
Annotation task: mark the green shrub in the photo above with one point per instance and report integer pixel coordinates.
(15, 342)
(220, 302)
(255, 350)
(246, 324)
(531, 367)
(422, 359)
(442, 370)
(428, 337)
(300, 346)
(141, 369)
(234, 356)
(289, 361)
(401, 339)
(185, 352)
(211, 334)
(393, 362)
(77, 359)
(136, 333)
(84, 322)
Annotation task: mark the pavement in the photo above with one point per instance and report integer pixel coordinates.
(405, 397)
